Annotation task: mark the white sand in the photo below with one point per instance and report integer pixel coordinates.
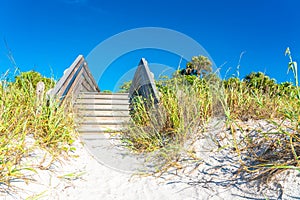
(214, 178)
(97, 182)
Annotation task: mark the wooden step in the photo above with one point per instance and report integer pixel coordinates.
(100, 129)
(101, 107)
(99, 112)
(84, 101)
(103, 113)
(114, 96)
(103, 120)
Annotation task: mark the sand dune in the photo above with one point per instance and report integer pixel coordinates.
(214, 177)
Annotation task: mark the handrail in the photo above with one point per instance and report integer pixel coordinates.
(143, 83)
(77, 78)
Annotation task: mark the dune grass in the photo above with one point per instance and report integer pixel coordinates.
(273, 146)
(165, 129)
(23, 119)
(188, 103)
(265, 151)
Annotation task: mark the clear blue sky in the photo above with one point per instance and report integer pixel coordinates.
(44, 35)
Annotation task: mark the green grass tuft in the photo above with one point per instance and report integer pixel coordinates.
(23, 118)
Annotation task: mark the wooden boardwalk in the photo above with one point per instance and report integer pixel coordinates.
(100, 112)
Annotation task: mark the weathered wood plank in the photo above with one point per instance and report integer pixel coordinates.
(103, 106)
(87, 87)
(73, 83)
(76, 78)
(78, 88)
(101, 101)
(99, 113)
(68, 73)
(143, 83)
(89, 79)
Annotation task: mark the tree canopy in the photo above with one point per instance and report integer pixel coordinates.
(31, 78)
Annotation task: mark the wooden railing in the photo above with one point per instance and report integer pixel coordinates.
(77, 78)
(143, 83)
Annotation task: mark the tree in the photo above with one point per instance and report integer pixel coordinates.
(29, 80)
(201, 64)
(258, 80)
(125, 87)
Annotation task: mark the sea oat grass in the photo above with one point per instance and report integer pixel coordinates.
(262, 119)
(165, 128)
(21, 118)
(272, 143)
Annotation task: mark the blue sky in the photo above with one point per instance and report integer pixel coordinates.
(46, 36)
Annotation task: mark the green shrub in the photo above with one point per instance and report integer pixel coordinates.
(26, 80)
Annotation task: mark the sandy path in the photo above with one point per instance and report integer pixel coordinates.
(215, 178)
(97, 182)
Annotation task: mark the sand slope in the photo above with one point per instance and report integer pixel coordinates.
(214, 176)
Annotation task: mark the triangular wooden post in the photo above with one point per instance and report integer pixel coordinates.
(143, 83)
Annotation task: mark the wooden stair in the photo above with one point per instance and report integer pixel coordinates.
(101, 112)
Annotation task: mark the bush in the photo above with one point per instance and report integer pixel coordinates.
(29, 80)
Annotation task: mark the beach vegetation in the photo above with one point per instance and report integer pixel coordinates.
(188, 102)
(29, 124)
